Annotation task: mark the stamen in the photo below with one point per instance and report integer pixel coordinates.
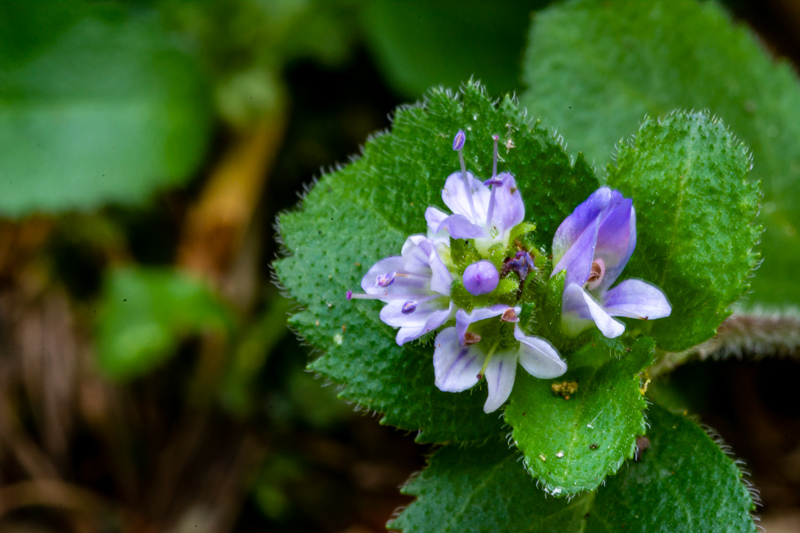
(471, 338)
(349, 295)
(458, 145)
(596, 274)
(496, 138)
(409, 307)
(486, 361)
(493, 181)
(384, 280)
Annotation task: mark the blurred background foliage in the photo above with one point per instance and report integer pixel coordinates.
(148, 380)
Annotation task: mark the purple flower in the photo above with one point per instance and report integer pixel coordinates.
(593, 245)
(415, 287)
(485, 212)
(461, 358)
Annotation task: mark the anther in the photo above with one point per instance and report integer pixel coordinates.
(596, 274)
(349, 295)
(409, 307)
(459, 140)
(384, 280)
(471, 338)
(509, 315)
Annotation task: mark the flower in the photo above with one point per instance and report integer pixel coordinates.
(461, 357)
(485, 212)
(593, 245)
(415, 287)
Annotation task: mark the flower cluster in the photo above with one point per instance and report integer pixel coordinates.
(419, 286)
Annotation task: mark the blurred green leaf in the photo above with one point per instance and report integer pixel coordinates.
(695, 210)
(594, 69)
(145, 313)
(98, 104)
(254, 349)
(571, 444)
(426, 44)
(683, 482)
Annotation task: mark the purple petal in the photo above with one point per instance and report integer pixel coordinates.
(635, 298)
(500, 374)
(456, 368)
(580, 311)
(616, 238)
(463, 320)
(461, 227)
(455, 196)
(577, 260)
(579, 221)
(434, 217)
(538, 357)
(509, 209)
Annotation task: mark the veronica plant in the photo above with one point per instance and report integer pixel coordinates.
(516, 255)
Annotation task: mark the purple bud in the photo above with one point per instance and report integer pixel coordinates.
(409, 307)
(384, 280)
(459, 140)
(349, 295)
(481, 278)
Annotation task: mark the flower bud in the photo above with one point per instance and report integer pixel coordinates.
(481, 278)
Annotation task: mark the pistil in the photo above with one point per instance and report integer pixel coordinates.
(493, 181)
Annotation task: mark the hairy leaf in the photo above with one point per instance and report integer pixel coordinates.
(683, 482)
(694, 210)
(594, 69)
(363, 213)
(570, 442)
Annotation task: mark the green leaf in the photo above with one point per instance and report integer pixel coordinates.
(363, 213)
(683, 482)
(145, 313)
(694, 210)
(570, 445)
(445, 42)
(594, 69)
(100, 105)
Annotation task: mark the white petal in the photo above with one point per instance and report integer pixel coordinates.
(464, 319)
(580, 309)
(635, 298)
(434, 217)
(441, 279)
(500, 374)
(455, 196)
(434, 320)
(456, 368)
(538, 356)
